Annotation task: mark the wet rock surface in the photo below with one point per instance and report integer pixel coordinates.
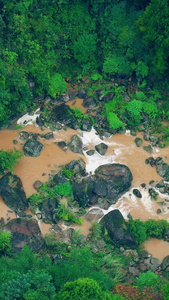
(137, 193)
(75, 145)
(25, 232)
(116, 227)
(111, 180)
(48, 210)
(101, 148)
(12, 192)
(138, 142)
(64, 115)
(33, 148)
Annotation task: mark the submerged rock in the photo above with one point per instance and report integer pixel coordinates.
(25, 232)
(24, 135)
(149, 149)
(32, 148)
(116, 227)
(48, 136)
(12, 192)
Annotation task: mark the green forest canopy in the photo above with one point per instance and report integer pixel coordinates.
(44, 42)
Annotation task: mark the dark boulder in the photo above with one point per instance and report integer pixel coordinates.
(82, 94)
(83, 193)
(32, 148)
(62, 145)
(89, 102)
(154, 140)
(165, 263)
(116, 227)
(37, 185)
(48, 209)
(59, 178)
(162, 168)
(101, 148)
(64, 115)
(149, 149)
(12, 192)
(86, 124)
(25, 232)
(137, 193)
(112, 180)
(138, 142)
(150, 161)
(40, 120)
(77, 166)
(75, 145)
(90, 152)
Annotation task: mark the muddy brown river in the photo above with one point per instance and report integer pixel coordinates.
(122, 149)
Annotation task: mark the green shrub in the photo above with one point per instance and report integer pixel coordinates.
(46, 192)
(134, 109)
(141, 69)
(114, 121)
(142, 231)
(57, 85)
(8, 159)
(151, 109)
(5, 242)
(64, 189)
(66, 214)
(137, 228)
(140, 96)
(82, 288)
(149, 280)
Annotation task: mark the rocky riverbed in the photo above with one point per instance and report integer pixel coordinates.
(110, 173)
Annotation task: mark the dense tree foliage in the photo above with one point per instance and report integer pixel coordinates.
(44, 42)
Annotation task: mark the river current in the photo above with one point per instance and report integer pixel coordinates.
(121, 149)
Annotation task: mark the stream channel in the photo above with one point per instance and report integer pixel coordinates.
(121, 149)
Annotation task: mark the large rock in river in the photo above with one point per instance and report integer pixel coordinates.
(112, 180)
(64, 115)
(25, 232)
(12, 192)
(32, 148)
(116, 227)
(75, 145)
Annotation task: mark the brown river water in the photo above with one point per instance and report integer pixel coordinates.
(122, 149)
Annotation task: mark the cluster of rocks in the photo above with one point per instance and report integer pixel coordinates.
(161, 167)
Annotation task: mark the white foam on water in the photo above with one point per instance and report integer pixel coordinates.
(94, 161)
(127, 132)
(91, 138)
(27, 119)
